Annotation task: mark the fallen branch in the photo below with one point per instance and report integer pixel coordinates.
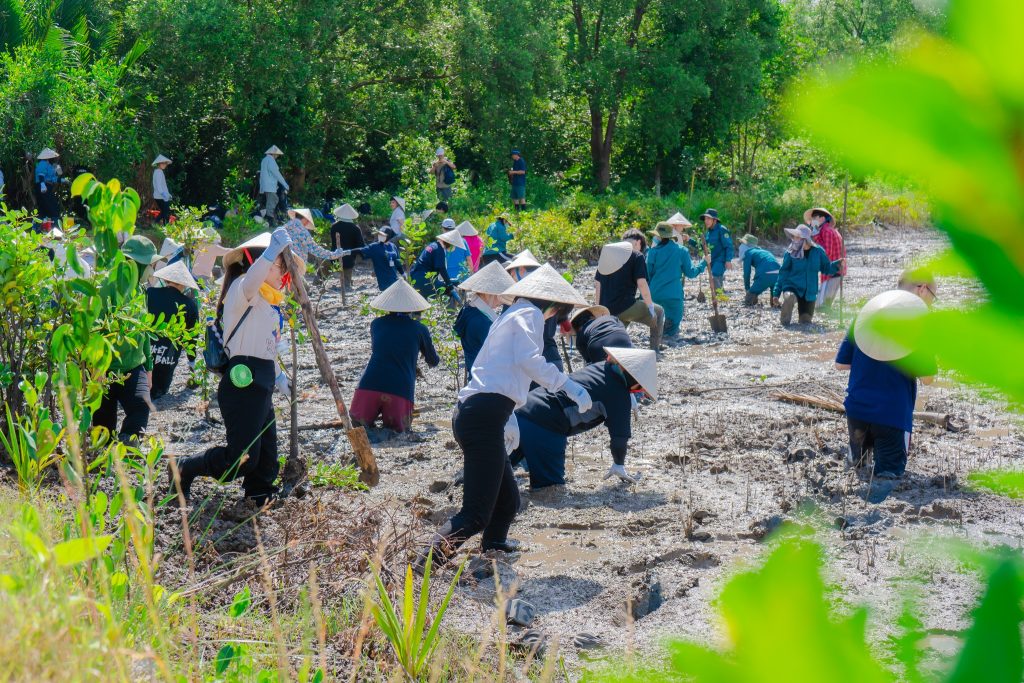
(832, 403)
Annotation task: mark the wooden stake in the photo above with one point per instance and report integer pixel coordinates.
(341, 273)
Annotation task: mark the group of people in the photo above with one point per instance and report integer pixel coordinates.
(443, 170)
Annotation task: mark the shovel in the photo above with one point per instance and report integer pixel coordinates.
(717, 320)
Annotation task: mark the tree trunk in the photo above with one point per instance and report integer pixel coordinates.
(600, 153)
(657, 180)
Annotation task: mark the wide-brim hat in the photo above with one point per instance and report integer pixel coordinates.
(161, 159)
(274, 150)
(453, 238)
(642, 364)
(304, 213)
(491, 279)
(546, 284)
(260, 241)
(710, 213)
(799, 232)
(749, 240)
(466, 229)
(141, 249)
(597, 311)
(400, 298)
(515, 151)
(345, 212)
(809, 213)
(400, 202)
(894, 304)
(448, 223)
(613, 256)
(664, 230)
(678, 220)
(177, 273)
(48, 153)
(524, 259)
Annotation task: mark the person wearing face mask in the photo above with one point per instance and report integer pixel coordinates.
(132, 358)
(458, 259)
(549, 418)
(825, 234)
(483, 421)
(397, 220)
(521, 265)
(759, 262)
(483, 296)
(299, 226)
(387, 267)
(250, 307)
(667, 265)
(432, 264)
(798, 276)
(46, 177)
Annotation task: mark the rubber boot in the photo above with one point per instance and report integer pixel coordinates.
(788, 304)
(750, 299)
(806, 318)
(188, 470)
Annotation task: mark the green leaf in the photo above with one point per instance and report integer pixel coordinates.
(993, 651)
(78, 550)
(80, 183)
(1009, 483)
(240, 605)
(225, 656)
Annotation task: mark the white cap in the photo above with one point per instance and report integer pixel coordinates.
(642, 364)
(345, 212)
(613, 257)
(274, 150)
(440, 151)
(466, 229)
(524, 259)
(448, 223)
(546, 284)
(453, 238)
(47, 154)
(400, 298)
(894, 304)
(177, 273)
(491, 279)
(160, 159)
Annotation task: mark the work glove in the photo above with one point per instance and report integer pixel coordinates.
(651, 310)
(633, 405)
(511, 434)
(620, 472)
(338, 253)
(343, 252)
(42, 188)
(578, 395)
(282, 385)
(279, 239)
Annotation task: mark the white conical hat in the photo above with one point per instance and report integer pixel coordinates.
(47, 154)
(466, 229)
(177, 273)
(546, 284)
(613, 257)
(641, 363)
(345, 212)
(678, 220)
(597, 311)
(161, 159)
(261, 240)
(274, 149)
(400, 201)
(304, 213)
(400, 298)
(524, 259)
(453, 238)
(895, 303)
(491, 279)
(169, 247)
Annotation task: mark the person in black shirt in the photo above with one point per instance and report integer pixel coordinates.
(621, 272)
(596, 329)
(346, 235)
(168, 301)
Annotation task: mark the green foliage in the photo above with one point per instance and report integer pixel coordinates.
(32, 437)
(336, 476)
(1009, 483)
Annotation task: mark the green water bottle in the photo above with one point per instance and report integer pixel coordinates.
(241, 376)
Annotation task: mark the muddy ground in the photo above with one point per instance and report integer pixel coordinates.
(723, 463)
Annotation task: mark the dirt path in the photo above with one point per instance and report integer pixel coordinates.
(721, 468)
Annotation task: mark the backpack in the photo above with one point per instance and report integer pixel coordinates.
(449, 175)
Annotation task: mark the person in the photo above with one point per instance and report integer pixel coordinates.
(500, 237)
(383, 254)
(679, 223)
(483, 296)
(250, 308)
(168, 301)
(667, 265)
(133, 358)
(759, 262)
(549, 418)
(299, 225)
(2, 184)
(597, 329)
(46, 177)
(621, 271)
(473, 243)
(206, 254)
(521, 265)
(880, 395)
(798, 276)
(270, 180)
(161, 195)
(432, 263)
(387, 387)
(458, 259)
(483, 420)
(720, 246)
(346, 235)
(825, 234)
(397, 219)
(443, 171)
(517, 180)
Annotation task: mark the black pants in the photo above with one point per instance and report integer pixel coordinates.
(165, 360)
(490, 496)
(165, 210)
(501, 257)
(888, 444)
(131, 396)
(251, 429)
(46, 202)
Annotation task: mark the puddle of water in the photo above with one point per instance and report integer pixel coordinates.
(553, 550)
(942, 643)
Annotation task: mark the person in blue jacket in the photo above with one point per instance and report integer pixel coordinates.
(483, 296)
(798, 276)
(720, 246)
(500, 237)
(759, 262)
(45, 181)
(383, 254)
(387, 387)
(667, 265)
(432, 263)
(457, 258)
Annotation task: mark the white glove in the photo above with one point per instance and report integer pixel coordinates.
(578, 395)
(284, 347)
(620, 472)
(279, 239)
(633, 405)
(344, 252)
(282, 386)
(42, 187)
(511, 434)
(651, 309)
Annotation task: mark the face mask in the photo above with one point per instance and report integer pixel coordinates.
(817, 221)
(382, 238)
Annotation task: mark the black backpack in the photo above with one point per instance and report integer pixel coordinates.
(449, 175)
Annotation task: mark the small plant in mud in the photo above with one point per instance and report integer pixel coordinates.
(337, 476)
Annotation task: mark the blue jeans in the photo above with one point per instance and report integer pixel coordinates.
(544, 451)
(889, 445)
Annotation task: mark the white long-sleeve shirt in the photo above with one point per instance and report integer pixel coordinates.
(397, 220)
(260, 332)
(512, 357)
(160, 190)
(270, 175)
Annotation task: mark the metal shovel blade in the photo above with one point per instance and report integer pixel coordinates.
(718, 324)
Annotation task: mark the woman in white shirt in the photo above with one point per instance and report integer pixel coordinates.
(250, 301)
(484, 422)
(161, 195)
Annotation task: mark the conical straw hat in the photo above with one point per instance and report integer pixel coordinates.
(546, 284)
(47, 153)
(161, 159)
(169, 247)
(894, 304)
(304, 213)
(491, 279)
(613, 257)
(453, 238)
(345, 212)
(809, 214)
(466, 229)
(641, 363)
(524, 259)
(678, 220)
(261, 240)
(274, 149)
(596, 311)
(177, 273)
(400, 298)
